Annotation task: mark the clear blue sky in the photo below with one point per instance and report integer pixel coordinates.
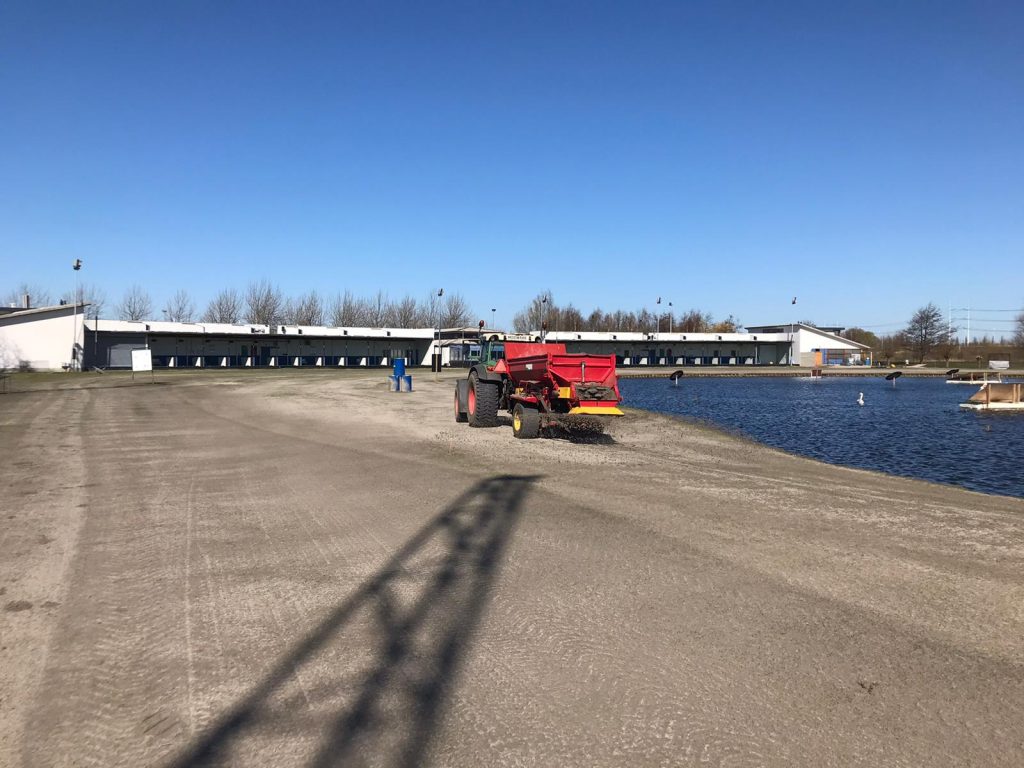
(865, 157)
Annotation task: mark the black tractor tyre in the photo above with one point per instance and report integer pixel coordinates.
(460, 413)
(483, 402)
(525, 422)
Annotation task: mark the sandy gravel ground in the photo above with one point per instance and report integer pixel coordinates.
(307, 570)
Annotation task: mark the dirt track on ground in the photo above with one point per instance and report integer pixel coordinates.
(306, 570)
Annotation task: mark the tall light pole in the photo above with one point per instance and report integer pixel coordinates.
(75, 265)
(544, 320)
(657, 314)
(493, 315)
(671, 318)
(791, 322)
(437, 348)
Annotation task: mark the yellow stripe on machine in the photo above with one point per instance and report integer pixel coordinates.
(565, 392)
(596, 410)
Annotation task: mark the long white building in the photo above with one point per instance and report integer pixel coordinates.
(52, 338)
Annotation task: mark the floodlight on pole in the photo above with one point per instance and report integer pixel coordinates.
(76, 265)
(436, 362)
(791, 329)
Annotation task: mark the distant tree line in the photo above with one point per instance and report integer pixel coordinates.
(930, 336)
(263, 303)
(543, 310)
(926, 335)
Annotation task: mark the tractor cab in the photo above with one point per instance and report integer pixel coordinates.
(492, 346)
(491, 352)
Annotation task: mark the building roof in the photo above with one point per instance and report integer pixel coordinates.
(831, 332)
(252, 329)
(754, 333)
(12, 312)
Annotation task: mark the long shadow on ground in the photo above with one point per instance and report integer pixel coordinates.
(385, 658)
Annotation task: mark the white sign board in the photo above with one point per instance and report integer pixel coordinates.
(142, 360)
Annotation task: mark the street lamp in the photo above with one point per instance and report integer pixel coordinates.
(493, 321)
(77, 266)
(437, 349)
(544, 321)
(791, 330)
(657, 315)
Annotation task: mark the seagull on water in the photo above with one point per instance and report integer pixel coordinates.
(860, 398)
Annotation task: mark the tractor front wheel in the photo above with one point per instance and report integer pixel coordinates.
(525, 422)
(482, 405)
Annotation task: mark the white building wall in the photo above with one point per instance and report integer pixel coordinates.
(805, 341)
(42, 340)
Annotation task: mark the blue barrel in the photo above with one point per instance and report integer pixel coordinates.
(399, 367)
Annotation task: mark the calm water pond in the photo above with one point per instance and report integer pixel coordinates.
(915, 429)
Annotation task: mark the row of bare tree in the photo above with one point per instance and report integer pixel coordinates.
(543, 310)
(263, 303)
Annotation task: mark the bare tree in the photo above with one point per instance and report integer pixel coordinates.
(347, 310)
(264, 304)
(39, 296)
(729, 325)
(861, 336)
(455, 311)
(407, 313)
(342, 309)
(1018, 335)
(597, 321)
(430, 309)
(91, 295)
(135, 305)
(620, 321)
(570, 319)
(95, 297)
(180, 308)
(307, 309)
(225, 307)
(694, 321)
(926, 330)
(891, 345)
(644, 321)
(531, 318)
(379, 309)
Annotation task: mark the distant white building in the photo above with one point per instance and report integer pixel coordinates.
(794, 344)
(43, 338)
(814, 347)
(52, 338)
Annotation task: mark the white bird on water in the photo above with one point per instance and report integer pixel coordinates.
(860, 398)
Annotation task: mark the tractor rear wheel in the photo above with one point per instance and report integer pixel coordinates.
(525, 422)
(483, 402)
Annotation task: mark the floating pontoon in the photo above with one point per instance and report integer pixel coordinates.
(997, 397)
(977, 378)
